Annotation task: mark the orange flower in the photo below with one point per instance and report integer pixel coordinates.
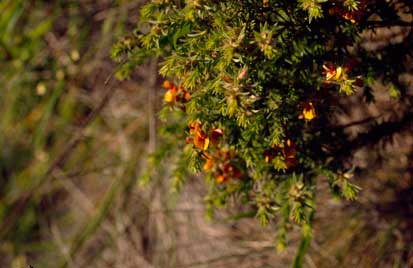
(167, 84)
(194, 127)
(221, 163)
(209, 161)
(220, 178)
(201, 141)
(209, 164)
(187, 96)
(309, 112)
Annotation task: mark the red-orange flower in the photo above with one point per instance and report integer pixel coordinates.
(209, 162)
(290, 154)
(222, 165)
(194, 127)
(170, 95)
(288, 151)
(232, 171)
(167, 84)
(216, 134)
(200, 140)
(175, 94)
(350, 16)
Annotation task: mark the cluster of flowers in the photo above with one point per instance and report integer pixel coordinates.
(199, 137)
(288, 151)
(352, 16)
(218, 161)
(175, 94)
(222, 166)
(331, 74)
(339, 74)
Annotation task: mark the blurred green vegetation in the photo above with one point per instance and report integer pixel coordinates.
(53, 67)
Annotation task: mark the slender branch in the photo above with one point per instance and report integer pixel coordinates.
(385, 23)
(375, 135)
(358, 122)
(152, 107)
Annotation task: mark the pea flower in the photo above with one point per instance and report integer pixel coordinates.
(309, 112)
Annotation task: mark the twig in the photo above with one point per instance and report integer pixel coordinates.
(57, 237)
(359, 122)
(389, 23)
(375, 135)
(152, 108)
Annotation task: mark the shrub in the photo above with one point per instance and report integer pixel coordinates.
(252, 93)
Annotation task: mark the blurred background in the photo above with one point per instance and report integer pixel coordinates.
(74, 142)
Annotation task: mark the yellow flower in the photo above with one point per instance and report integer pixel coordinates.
(332, 73)
(170, 96)
(309, 111)
(349, 16)
(339, 72)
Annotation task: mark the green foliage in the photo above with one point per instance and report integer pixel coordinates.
(313, 7)
(268, 75)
